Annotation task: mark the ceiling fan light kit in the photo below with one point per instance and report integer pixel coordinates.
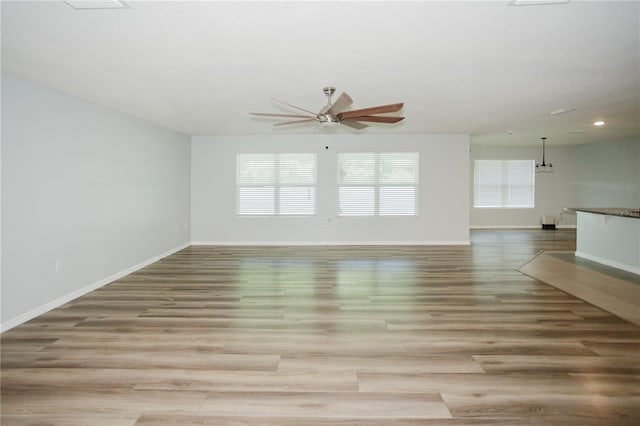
(334, 113)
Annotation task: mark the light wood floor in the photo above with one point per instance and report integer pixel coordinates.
(328, 336)
(613, 290)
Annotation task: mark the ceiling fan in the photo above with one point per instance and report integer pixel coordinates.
(334, 113)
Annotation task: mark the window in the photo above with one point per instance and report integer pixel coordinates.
(276, 184)
(384, 184)
(504, 183)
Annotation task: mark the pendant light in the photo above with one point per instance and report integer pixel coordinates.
(544, 167)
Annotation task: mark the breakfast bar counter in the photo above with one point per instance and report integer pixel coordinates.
(610, 236)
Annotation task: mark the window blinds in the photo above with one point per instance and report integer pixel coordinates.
(504, 183)
(276, 184)
(382, 184)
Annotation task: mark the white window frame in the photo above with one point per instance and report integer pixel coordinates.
(375, 187)
(276, 184)
(498, 179)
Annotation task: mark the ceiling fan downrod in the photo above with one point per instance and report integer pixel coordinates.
(325, 117)
(329, 91)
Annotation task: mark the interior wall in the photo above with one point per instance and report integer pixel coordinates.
(86, 193)
(553, 191)
(590, 175)
(443, 201)
(608, 174)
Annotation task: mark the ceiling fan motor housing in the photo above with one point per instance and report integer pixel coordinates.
(329, 90)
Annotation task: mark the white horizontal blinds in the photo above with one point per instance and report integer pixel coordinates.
(377, 183)
(256, 201)
(297, 177)
(504, 183)
(255, 180)
(357, 200)
(521, 187)
(398, 179)
(276, 184)
(487, 183)
(356, 183)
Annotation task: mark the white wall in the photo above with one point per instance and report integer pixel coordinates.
(443, 191)
(608, 174)
(553, 191)
(591, 175)
(95, 190)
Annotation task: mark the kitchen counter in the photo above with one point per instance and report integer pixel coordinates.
(610, 236)
(609, 211)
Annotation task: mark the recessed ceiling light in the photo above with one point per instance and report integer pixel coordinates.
(97, 4)
(562, 111)
(599, 123)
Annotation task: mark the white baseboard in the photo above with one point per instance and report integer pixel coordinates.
(607, 262)
(331, 243)
(20, 319)
(517, 226)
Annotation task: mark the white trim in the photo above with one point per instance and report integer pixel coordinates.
(331, 243)
(505, 227)
(608, 262)
(20, 319)
(516, 226)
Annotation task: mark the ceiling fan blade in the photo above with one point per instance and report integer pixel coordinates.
(354, 124)
(295, 107)
(377, 119)
(340, 104)
(295, 121)
(373, 110)
(264, 114)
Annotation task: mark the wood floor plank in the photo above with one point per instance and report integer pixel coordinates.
(557, 364)
(537, 347)
(610, 384)
(62, 379)
(68, 420)
(247, 381)
(329, 335)
(595, 409)
(88, 402)
(395, 364)
(470, 383)
(327, 405)
(142, 359)
(200, 420)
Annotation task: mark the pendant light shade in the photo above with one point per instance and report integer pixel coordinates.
(544, 167)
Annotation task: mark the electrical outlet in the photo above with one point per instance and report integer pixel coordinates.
(58, 266)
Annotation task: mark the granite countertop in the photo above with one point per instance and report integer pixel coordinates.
(609, 211)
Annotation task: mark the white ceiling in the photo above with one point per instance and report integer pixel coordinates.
(484, 68)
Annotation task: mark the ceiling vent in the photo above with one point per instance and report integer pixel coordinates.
(562, 111)
(91, 4)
